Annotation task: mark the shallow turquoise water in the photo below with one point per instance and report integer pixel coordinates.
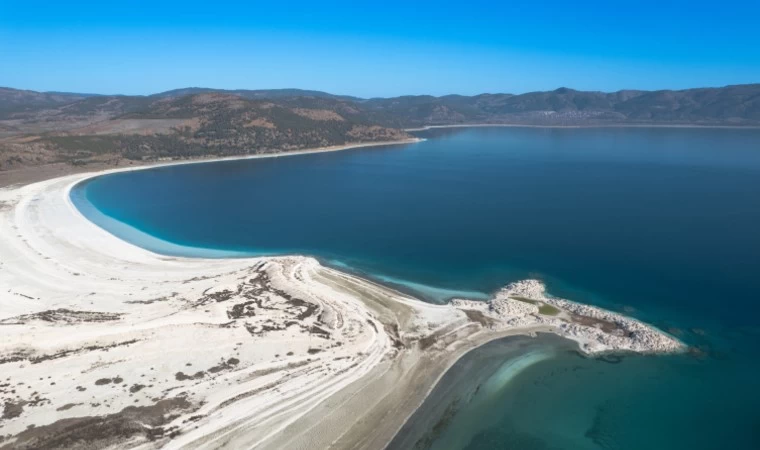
(659, 223)
(550, 397)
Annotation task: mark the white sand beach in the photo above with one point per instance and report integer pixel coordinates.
(105, 344)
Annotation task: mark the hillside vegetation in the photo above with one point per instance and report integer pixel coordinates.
(731, 105)
(109, 129)
(44, 127)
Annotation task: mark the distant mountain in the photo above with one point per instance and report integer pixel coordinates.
(40, 127)
(16, 100)
(260, 94)
(727, 105)
(731, 105)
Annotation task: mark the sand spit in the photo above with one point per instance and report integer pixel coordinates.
(104, 344)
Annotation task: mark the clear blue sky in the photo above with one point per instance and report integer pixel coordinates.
(377, 49)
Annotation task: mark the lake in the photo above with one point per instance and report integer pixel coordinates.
(658, 223)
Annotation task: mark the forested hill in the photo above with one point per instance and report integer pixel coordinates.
(731, 105)
(108, 129)
(43, 127)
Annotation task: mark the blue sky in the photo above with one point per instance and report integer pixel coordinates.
(377, 49)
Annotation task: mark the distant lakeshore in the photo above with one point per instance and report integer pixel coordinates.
(38, 128)
(600, 125)
(28, 175)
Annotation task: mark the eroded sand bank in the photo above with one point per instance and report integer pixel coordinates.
(105, 344)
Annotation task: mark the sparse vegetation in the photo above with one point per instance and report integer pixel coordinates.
(41, 128)
(543, 308)
(209, 125)
(548, 310)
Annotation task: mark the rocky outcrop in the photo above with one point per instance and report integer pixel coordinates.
(526, 304)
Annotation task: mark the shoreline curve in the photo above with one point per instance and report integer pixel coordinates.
(112, 322)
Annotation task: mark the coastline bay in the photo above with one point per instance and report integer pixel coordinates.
(655, 223)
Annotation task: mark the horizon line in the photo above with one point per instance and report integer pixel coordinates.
(92, 94)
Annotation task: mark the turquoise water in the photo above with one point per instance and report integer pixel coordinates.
(658, 223)
(512, 394)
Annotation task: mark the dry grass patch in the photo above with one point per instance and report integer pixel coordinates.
(260, 123)
(319, 114)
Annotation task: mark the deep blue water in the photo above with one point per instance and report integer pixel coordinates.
(659, 223)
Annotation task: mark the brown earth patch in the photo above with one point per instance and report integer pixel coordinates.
(260, 123)
(479, 317)
(143, 127)
(12, 410)
(90, 432)
(67, 406)
(63, 316)
(604, 325)
(319, 114)
(226, 365)
(180, 376)
(376, 133)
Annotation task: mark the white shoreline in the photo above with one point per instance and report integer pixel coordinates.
(280, 154)
(167, 248)
(149, 307)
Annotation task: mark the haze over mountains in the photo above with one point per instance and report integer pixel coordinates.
(46, 127)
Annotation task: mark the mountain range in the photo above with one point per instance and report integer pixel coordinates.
(46, 127)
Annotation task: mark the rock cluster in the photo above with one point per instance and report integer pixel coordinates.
(596, 330)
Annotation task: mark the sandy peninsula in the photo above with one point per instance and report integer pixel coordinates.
(105, 344)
